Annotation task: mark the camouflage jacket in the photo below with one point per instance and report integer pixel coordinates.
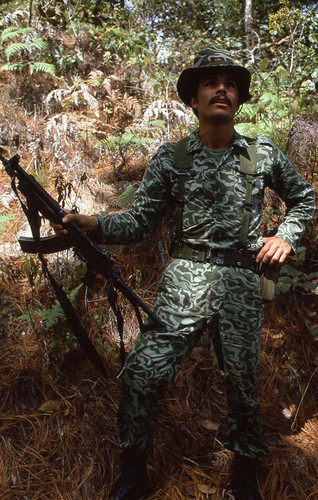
(214, 197)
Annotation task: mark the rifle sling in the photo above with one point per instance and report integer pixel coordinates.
(70, 313)
(32, 211)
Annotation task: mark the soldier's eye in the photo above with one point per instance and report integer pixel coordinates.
(231, 83)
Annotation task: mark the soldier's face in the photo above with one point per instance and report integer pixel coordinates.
(217, 97)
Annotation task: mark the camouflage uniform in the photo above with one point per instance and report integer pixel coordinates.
(195, 296)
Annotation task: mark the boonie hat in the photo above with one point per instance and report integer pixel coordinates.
(207, 59)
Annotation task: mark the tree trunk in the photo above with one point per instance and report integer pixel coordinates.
(30, 12)
(248, 22)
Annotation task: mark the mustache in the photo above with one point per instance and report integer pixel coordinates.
(219, 98)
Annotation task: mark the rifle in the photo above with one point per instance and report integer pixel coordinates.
(97, 260)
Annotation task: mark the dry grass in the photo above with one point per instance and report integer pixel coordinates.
(58, 417)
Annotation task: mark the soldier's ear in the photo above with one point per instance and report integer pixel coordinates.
(194, 103)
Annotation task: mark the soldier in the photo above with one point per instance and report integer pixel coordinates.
(215, 179)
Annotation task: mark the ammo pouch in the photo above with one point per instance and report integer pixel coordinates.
(269, 277)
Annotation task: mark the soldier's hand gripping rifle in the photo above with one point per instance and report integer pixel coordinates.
(98, 261)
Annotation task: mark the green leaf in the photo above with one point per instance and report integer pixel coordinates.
(73, 294)
(251, 130)
(283, 73)
(290, 271)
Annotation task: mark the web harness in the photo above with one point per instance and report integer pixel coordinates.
(183, 161)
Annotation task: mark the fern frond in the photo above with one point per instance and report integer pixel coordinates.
(15, 17)
(37, 43)
(75, 98)
(109, 81)
(73, 294)
(13, 32)
(96, 78)
(56, 95)
(58, 125)
(168, 110)
(14, 66)
(15, 48)
(41, 66)
(91, 101)
(51, 317)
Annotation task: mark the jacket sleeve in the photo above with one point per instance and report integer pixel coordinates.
(136, 223)
(298, 195)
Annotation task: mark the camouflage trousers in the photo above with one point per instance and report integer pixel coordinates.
(192, 298)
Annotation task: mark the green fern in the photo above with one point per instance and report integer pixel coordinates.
(73, 294)
(13, 32)
(17, 66)
(39, 66)
(33, 67)
(51, 317)
(37, 43)
(28, 46)
(19, 49)
(14, 48)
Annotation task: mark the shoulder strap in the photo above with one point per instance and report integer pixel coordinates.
(248, 163)
(182, 162)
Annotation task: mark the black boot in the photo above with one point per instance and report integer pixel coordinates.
(244, 478)
(133, 482)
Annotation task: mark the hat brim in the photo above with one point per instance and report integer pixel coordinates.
(190, 77)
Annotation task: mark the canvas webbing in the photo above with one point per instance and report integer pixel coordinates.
(183, 162)
(249, 167)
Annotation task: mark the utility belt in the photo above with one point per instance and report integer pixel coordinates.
(244, 259)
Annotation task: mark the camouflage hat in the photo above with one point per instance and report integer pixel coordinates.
(211, 58)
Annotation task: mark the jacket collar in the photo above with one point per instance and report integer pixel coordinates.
(194, 144)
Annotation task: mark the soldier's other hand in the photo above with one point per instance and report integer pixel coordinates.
(86, 223)
(274, 252)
